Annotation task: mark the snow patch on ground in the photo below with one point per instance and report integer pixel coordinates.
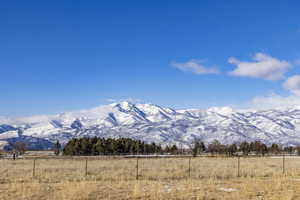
(227, 189)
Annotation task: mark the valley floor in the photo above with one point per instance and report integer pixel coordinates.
(164, 178)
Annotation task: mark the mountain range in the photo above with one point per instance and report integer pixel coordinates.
(153, 123)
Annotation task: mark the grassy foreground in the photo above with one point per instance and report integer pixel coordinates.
(167, 178)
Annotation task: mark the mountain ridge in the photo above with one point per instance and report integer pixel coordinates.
(153, 123)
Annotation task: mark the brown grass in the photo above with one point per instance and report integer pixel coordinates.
(168, 178)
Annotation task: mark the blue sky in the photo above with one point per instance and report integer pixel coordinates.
(58, 55)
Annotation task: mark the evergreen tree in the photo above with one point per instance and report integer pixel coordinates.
(198, 147)
(263, 149)
(245, 148)
(174, 149)
(109, 146)
(289, 149)
(275, 148)
(232, 149)
(57, 147)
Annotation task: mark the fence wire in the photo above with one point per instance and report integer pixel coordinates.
(148, 168)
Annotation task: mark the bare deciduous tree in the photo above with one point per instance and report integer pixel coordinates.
(20, 147)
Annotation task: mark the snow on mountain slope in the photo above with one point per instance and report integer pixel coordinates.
(153, 123)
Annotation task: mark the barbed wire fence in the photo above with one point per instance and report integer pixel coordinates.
(139, 167)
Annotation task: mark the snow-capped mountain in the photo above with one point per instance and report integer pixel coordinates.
(152, 123)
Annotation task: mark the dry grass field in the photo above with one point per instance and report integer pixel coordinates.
(163, 178)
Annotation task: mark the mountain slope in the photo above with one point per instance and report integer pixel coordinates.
(153, 123)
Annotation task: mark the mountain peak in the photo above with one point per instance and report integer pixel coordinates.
(153, 123)
(221, 110)
(124, 105)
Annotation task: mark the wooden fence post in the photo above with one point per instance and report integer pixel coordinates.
(189, 167)
(283, 163)
(86, 167)
(33, 169)
(137, 169)
(238, 173)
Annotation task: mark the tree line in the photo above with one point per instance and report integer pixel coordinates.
(245, 148)
(121, 146)
(109, 146)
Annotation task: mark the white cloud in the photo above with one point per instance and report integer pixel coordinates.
(195, 66)
(110, 100)
(293, 84)
(277, 101)
(274, 101)
(263, 66)
(132, 100)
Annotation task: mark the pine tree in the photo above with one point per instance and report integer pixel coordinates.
(275, 148)
(174, 149)
(57, 147)
(289, 149)
(245, 148)
(232, 149)
(97, 146)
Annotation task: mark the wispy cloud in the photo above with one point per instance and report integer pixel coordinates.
(263, 66)
(293, 84)
(130, 99)
(274, 101)
(195, 67)
(110, 100)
